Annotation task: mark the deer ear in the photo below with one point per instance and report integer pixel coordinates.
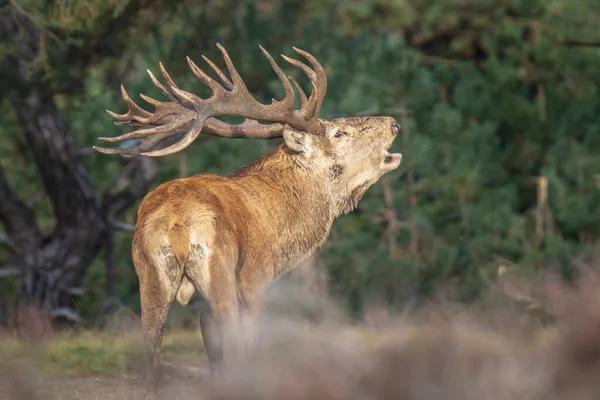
(297, 141)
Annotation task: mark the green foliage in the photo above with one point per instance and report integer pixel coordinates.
(497, 93)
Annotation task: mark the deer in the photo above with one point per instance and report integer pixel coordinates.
(229, 238)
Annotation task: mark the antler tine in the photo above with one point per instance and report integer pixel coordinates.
(207, 80)
(222, 76)
(303, 98)
(288, 100)
(143, 133)
(132, 109)
(236, 79)
(146, 145)
(189, 137)
(308, 109)
(321, 79)
(159, 85)
(137, 116)
(170, 84)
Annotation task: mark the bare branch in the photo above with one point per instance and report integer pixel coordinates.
(5, 240)
(577, 43)
(122, 226)
(76, 291)
(8, 272)
(84, 151)
(68, 313)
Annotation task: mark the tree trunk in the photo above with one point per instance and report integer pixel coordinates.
(52, 266)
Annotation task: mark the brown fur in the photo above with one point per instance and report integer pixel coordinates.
(179, 239)
(229, 238)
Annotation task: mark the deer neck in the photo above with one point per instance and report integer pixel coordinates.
(300, 217)
(300, 190)
(305, 189)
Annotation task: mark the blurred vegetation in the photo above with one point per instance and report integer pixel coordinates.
(497, 98)
(108, 353)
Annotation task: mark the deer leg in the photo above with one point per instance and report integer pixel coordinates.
(211, 337)
(252, 287)
(226, 319)
(157, 292)
(219, 332)
(154, 315)
(219, 308)
(250, 314)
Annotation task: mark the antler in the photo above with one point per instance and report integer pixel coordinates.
(189, 114)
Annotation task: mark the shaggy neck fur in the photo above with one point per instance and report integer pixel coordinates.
(299, 178)
(308, 201)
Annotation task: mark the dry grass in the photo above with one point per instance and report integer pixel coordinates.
(441, 352)
(94, 353)
(490, 351)
(93, 365)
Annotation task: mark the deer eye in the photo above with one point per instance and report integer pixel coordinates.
(339, 134)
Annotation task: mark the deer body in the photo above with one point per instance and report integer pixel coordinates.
(229, 238)
(264, 220)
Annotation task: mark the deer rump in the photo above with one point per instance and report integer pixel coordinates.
(177, 246)
(179, 239)
(192, 251)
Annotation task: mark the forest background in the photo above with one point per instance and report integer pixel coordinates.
(498, 101)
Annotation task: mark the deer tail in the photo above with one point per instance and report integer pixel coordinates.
(179, 239)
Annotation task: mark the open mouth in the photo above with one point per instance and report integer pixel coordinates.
(391, 160)
(392, 157)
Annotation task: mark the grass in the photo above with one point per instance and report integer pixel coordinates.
(101, 353)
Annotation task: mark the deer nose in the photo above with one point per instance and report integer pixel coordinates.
(395, 128)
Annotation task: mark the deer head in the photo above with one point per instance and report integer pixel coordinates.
(353, 152)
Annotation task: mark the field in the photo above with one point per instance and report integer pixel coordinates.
(309, 350)
(107, 365)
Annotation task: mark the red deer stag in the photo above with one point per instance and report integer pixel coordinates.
(228, 238)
